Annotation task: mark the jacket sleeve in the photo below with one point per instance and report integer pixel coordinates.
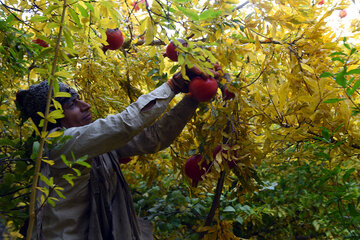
(113, 132)
(163, 132)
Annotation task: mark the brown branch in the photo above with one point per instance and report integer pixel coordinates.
(301, 69)
(216, 201)
(10, 8)
(241, 6)
(16, 17)
(32, 212)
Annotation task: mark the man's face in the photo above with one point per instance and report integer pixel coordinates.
(76, 114)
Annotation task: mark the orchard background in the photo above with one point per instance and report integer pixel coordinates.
(292, 127)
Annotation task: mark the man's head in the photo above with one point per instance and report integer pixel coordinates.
(33, 100)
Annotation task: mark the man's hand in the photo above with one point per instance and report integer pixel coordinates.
(178, 84)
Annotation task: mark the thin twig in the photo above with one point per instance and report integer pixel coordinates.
(32, 213)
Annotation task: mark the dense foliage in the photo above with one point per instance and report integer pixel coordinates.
(292, 127)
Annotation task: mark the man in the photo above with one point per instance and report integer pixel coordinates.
(99, 205)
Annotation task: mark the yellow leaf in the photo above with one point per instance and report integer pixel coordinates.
(41, 114)
(218, 34)
(57, 105)
(51, 119)
(183, 73)
(62, 94)
(143, 25)
(149, 35)
(100, 51)
(32, 74)
(257, 43)
(104, 11)
(229, 41)
(55, 134)
(307, 68)
(56, 114)
(156, 8)
(35, 127)
(232, 1)
(273, 32)
(50, 162)
(152, 52)
(218, 157)
(44, 134)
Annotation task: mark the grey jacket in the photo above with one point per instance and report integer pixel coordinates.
(99, 205)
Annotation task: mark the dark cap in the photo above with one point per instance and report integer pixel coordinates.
(33, 100)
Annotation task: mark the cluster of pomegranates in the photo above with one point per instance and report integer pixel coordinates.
(202, 90)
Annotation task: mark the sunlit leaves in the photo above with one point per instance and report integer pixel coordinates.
(75, 17)
(36, 19)
(294, 83)
(192, 14)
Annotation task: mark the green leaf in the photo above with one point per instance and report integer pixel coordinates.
(190, 13)
(152, 72)
(50, 9)
(350, 81)
(35, 150)
(336, 170)
(35, 19)
(51, 201)
(353, 89)
(68, 39)
(7, 142)
(82, 10)
(78, 173)
(75, 17)
(209, 14)
(337, 128)
(60, 194)
(69, 178)
(83, 158)
(338, 53)
(337, 144)
(324, 155)
(340, 78)
(174, 68)
(56, 86)
(239, 219)
(338, 59)
(67, 163)
(354, 71)
(348, 174)
(83, 163)
(229, 209)
(334, 100)
(353, 50)
(49, 182)
(326, 74)
(326, 134)
(10, 18)
(44, 53)
(89, 6)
